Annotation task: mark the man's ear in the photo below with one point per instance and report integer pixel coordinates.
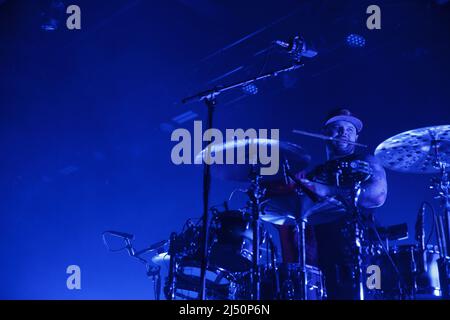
(357, 137)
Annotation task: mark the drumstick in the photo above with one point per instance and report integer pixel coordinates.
(324, 137)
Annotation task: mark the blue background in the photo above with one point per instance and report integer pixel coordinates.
(86, 117)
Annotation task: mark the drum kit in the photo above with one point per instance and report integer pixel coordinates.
(243, 257)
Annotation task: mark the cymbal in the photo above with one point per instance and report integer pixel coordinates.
(416, 151)
(284, 210)
(296, 156)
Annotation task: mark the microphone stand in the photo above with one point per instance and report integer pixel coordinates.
(209, 97)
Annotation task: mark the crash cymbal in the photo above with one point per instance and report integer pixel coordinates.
(416, 151)
(296, 156)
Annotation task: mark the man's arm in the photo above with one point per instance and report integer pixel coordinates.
(374, 190)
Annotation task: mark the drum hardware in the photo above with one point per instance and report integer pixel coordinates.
(153, 270)
(415, 284)
(425, 150)
(354, 229)
(300, 226)
(393, 232)
(250, 269)
(230, 254)
(170, 292)
(442, 186)
(255, 193)
(355, 232)
(209, 97)
(342, 168)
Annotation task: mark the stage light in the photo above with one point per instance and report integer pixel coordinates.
(250, 89)
(356, 41)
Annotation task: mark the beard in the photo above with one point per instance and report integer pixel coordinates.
(342, 148)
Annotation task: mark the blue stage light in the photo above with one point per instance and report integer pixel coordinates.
(250, 89)
(356, 41)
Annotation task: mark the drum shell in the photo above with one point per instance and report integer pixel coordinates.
(420, 280)
(187, 281)
(283, 283)
(231, 242)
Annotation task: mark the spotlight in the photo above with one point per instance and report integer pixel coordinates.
(356, 41)
(250, 89)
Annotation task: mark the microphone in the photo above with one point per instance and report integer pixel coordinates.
(297, 48)
(121, 235)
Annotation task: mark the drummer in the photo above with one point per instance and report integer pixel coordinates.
(329, 244)
(341, 124)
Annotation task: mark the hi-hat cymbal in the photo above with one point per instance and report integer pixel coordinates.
(296, 156)
(416, 151)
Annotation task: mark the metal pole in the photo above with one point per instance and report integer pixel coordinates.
(210, 103)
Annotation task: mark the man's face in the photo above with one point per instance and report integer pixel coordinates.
(342, 130)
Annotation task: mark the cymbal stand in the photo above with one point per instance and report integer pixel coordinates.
(256, 194)
(300, 227)
(442, 185)
(357, 239)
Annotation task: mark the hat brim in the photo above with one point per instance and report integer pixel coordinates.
(353, 120)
